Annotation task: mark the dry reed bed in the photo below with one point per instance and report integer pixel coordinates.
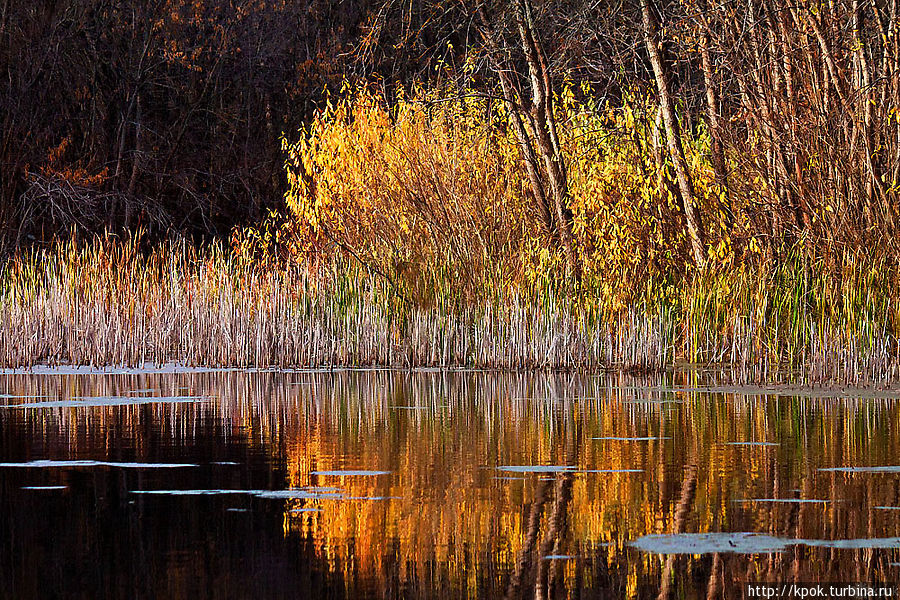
(108, 304)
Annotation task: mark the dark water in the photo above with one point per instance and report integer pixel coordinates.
(354, 485)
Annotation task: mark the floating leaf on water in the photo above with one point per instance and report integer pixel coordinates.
(709, 543)
(349, 473)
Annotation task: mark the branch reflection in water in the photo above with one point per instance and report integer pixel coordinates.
(515, 486)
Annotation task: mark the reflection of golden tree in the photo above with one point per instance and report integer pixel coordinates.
(455, 524)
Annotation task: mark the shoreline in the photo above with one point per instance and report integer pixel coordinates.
(710, 380)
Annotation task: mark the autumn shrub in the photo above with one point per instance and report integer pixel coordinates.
(431, 193)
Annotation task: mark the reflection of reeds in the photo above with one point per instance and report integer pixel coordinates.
(452, 517)
(110, 303)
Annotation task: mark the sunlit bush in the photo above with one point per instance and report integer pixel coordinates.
(431, 192)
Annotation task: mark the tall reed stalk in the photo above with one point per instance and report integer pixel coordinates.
(107, 303)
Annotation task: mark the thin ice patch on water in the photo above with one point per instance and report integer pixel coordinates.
(654, 401)
(610, 471)
(104, 401)
(559, 557)
(21, 397)
(785, 500)
(888, 507)
(295, 495)
(857, 544)
(317, 489)
(45, 487)
(146, 369)
(292, 494)
(143, 391)
(306, 510)
(410, 407)
(882, 469)
(49, 464)
(191, 492)
(349, 473)
(747, 543)
(224, 462)
(537, 468)
(793, 391)
(237, 510)
(709, 543)
(373, 498)
(631, 439)
(502, 478)
(751, 444)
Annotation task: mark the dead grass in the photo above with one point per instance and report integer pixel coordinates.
(106, 303)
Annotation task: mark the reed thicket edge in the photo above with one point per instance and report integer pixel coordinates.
(104, 302)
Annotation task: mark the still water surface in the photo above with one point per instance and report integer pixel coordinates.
(430, 485)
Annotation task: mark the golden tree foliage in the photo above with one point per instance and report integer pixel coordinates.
(432, 189)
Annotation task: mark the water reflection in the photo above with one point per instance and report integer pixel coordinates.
(380, 484)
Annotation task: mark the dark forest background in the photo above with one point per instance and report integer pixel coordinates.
(167, 114)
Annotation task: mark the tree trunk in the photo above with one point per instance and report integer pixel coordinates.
(866, 93)
(676, 152)
(543, 125)
(534, 124)
(532, 166)
(716, 150)
(135, 163)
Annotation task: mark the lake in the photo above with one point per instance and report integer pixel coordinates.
(380, 484)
